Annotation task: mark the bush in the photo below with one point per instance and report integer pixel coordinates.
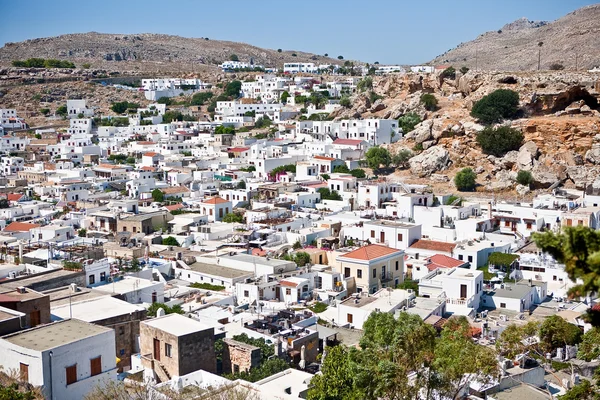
(340, 57)
(234, 57)
(401, 158)
(198, 99)
(158, 196)
(500, 140)
(465, 180)
(325, 177)
(62, 110)
(318, 307)
(45, 111)
(233, 218)
(170, 241)
(449, 73)
(556, 67)
(233, 88)
(408, 122)
(279, 50)
(378, 156)
(358, 173)
(284, 97)
(429, 101)
(341, 169)
(464, 70)
(496, 106)
(122, 106)
(43, 63)
(524, 178)
(176, 309)
(82, 232)
(207, 286)
(165, 100)
(365, 84)
(345, 102)
(327, 194)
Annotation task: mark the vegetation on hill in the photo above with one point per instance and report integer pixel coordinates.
(43, 63)
(499, 140)
(499, 105)
(465, 180)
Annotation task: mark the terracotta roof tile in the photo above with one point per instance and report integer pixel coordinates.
(443, 261)
(20, 227)
(324, 158)
(238, 149)
(433, 245)
(175, 189)
(14, 196)
(150, 154)
(215, 200)
(174, 207)
(288, 283)
(351, 142)
(371, 252)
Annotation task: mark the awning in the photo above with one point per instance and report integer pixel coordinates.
(265, 231)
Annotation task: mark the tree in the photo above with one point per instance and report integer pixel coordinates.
(378, 156)
(511, 340)
(365, 84)
(583, 391)
(589, 348)
(400, 159)
(358, 173)
(234, 57)
(4, 203)
(45, 111)
(341, 169)
(578, 248)
(345, 102)
(325, 177)
(496, 106)
(524, 178)
(241, 185)
(62, 110)
(297, 245)
(464, 70)
(555, 332)
(498, 141)
(232, 218)
(556, 67)
(408, 122)
(158, 195)
(122, 106)
(200, 98)
(301, 258)
(82, 232)
(429, 101)
(170, 241)
(340, 57)
(279, 50)
(464, 180)
(284, 97)
(233, 88)
(327, 194)
(176, 309)
(449, 73)
(165, 100)
(335, 382)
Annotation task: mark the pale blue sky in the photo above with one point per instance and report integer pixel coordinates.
(388, 31)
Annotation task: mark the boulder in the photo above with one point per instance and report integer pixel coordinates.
(527, 154)
(377, 106)
(422, 131)
(543, 178)
(440, 178)
(427, 144)
(432, 160)
(509, 159)
(479, 170)
(582, 176)
(522, 189)
(593, 154)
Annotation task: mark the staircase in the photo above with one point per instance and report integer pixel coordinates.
(161, 372)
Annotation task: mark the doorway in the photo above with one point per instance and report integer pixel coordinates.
(157, 349)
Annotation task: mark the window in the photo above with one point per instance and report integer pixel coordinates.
(96, 366)
(399, 237)
(71, 374)
(470, 258)
(397, 265)
(92, 279)
(502, 305)
(372, 234)
(460, 257)
(554, 277)
(506, 223)
(528, 226)
(168, 349)
(121, 330)
(349, 318)
(288, 291)
(246, 293)
(24, 372)
(102, 276)
(346, 272)
(359, 273)
(374, 273)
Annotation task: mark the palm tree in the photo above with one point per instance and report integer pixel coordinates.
(540, 44)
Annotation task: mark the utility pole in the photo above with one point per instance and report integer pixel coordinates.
(540, 44)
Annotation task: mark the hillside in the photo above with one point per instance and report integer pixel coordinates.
(514, 47)
(148, 51)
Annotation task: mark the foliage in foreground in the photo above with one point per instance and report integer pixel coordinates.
(464, 180)
(496, 106)
(498, 141)
(176, 309)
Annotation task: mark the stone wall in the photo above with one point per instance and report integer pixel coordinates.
(238, 356)
(127, 330)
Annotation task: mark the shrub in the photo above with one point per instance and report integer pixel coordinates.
(340, 57)
(498, 141)
(233, 88)
(82, 232)
(62, 110)
(233, 218)
(45, 111)
(122, 106)
(373, 97)
(86, 65)
(401, 158)
(496, 106)
(465, 180)
(318, 307)
(294, 55)
(341, 169)
(170, 241)
(378, 156)
(157, 195)
(365, 84)
(207, 286)
(449, 73)
(429, 101)
(165, 100)
(524, 178)
(464, 70)
(279, 50)
(408, 122)
(556, 67)
(358, 173)
(325, 177)
(284, 97)
(327, 194)
(176, 309)
(234, 57)
(198, 99)
(345, 102)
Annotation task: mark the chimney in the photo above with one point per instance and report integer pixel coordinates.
(21, 290)
(490, 210)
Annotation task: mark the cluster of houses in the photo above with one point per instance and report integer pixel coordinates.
(243, 235)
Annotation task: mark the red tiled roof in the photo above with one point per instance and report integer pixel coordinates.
(433, 245)
(442, 261)
(175, 189)
(20, 227)
(151, 169)
(144, 142)
(324, 158)
(258, 252)
(351, 142)
(150, 154)
(174, 207)
(371, 252)
(14, 196)
(288, 283)
(215, 200)
(238, 149)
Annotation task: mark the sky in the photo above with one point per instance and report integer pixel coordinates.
(388, 31)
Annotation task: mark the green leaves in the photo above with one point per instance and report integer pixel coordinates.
(378, 156)
(496, 106)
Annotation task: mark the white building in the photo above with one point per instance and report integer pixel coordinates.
(67, 359)
(77, 107)
(461, 288)
(518, 297)
(294, 68)
(135, 290)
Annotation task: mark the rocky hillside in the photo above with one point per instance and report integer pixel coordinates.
(514, 47)
(560, 121)
(148, 51)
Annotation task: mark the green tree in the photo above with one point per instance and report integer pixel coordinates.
(45, 111)
(335, 382)
(365, 84)
(301, 258)
(556, 332)
(345, 102)
(340, 57)
(496, 106)
(176, 309)
(408, 122)
(449, 73)
(510, 343)
(231, 218)
(234, 57)
(327, 194)
(358, 173)
(524, 178)
(341, 169)
(429, 101)
(400, 159)
(122, 106)
(279, 50)
(233, 88)
(464, 180)
(284, 97)
(583, 391)
(589, 348)
(62, 110)
(498, 141)
(408, 284)
(464, 70)
(578, 248)
(170, 241)
(82, 232)
(297, 245)
(325, 177)
(200, 98)
(165, 100)
(158, 195)
(378, 156)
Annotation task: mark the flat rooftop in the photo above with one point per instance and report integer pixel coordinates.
(218, 270)
(511, 291)
(7, 313)
(258, 260)
(177, 325)
(383, 222)
(96, 309)
(13, 284)
(56, 334)
(125, 285)
(63, 295)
